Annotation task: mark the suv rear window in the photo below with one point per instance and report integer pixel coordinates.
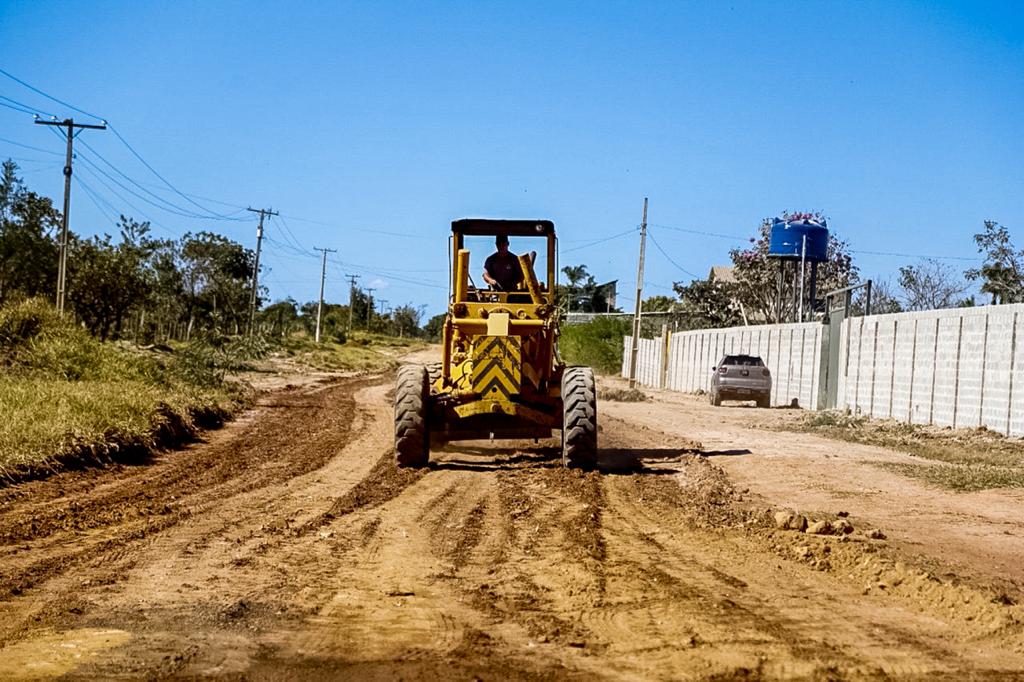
(743, 360)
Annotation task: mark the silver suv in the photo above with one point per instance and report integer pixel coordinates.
(741, 377)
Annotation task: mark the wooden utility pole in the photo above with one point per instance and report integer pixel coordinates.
(264, 212)
(638, 311)
(323, 275)
(369, 306)
(351, 297)
(62, 262)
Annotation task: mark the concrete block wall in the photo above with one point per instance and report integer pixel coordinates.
(648, 361)
(791, 352)
(961, 367)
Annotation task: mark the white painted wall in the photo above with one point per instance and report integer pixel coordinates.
(791, 352)
(961, 367)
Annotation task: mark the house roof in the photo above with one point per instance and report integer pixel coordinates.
(721, 273)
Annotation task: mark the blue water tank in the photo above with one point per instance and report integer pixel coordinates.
(787, 239)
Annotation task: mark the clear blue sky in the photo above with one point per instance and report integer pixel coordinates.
(902, 121)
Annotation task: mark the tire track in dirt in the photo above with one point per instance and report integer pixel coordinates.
(181, 484)
(494, 562)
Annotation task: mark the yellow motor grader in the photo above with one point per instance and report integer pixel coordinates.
(501, 375)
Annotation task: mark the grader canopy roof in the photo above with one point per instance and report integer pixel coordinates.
(512, 228)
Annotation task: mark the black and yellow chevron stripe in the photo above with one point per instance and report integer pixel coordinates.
(497, 366)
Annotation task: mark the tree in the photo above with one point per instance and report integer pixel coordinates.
(28, 250)
(407, 319)
(1002, 273)
(280, 318)
(105, 281)
(883, 299)
(706, 304)
(930, 285)
(757, 275)
(217, 278)
(582, 293)
(434, 327)
(658, 304)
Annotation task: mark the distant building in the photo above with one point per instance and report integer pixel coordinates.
(722, 273)
(609, 289)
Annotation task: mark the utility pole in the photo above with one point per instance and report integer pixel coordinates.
(369, 306)
(323, 275)
(62, 263)
(264, 212)
(639, 297)
(351, 297)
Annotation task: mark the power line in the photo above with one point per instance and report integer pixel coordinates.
(28, 146)
(162, 178)
(702, 232)
(19, 109)
(129, 203)
(173, 209)
(50, 97)
(912, 255)
(97, 200)
(31, 108)
(286, 231)
(361, 229)
(180, 210)
(600, 241)
(670, 259)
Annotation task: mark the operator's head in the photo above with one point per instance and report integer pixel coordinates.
(501, 241)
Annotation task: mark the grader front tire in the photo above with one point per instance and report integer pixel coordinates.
(412, 395)
(579, 418)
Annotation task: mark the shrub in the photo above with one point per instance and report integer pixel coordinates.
(596, 344)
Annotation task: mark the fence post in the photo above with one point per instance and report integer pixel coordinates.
(1013, 357)
(666, 339)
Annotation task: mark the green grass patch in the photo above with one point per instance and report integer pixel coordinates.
(596, 344)
(67, 398)
(361, 352)
(958, 459)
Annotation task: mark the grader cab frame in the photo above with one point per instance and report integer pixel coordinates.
(500, 374)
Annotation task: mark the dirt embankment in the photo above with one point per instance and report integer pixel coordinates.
(289, 546)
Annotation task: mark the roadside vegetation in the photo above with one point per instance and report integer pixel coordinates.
(152, 333)
(68, 398)
(958, 459)
(597, 344)
(360, 351)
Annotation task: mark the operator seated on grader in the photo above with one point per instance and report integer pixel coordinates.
(502, 270)
(500, 376)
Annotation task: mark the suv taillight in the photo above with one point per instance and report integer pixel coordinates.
(723, 370)
(765, 372)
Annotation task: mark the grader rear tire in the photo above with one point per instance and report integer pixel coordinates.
(579, 418)
(412, 439)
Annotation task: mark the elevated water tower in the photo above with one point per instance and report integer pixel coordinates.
(796, 240)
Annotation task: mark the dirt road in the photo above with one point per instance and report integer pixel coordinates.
(288, 546)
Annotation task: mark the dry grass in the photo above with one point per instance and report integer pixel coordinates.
(958, 459)
(623, 395)
(361, 352)
(67, 398)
